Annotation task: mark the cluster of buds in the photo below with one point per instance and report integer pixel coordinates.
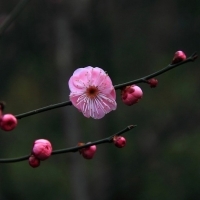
(88, 152)
(42, 150)
(131, 94)
(7, 121)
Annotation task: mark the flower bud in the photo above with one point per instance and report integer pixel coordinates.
(8, 122)
(88, 152)
(152, 82)
(179, 56)
(131, 94)
(42, 149)
(119, 141)
(33, 161)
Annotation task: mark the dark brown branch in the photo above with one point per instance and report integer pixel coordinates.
(72, 149)
(50, 107)
(144, 79)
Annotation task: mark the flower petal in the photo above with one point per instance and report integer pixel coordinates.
(92, 106)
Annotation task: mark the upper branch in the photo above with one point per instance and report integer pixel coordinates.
(192, 58)
(50, 107)
(144, 79)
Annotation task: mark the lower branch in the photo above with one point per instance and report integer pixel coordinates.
(72, 149)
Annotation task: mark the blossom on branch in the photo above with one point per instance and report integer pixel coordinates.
(92, 92)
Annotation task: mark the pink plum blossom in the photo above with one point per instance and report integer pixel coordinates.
(92, 92)
(42, 149)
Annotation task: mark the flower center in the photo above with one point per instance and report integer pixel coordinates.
(92, 92)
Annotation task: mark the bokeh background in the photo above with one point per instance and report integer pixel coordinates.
(128, 39)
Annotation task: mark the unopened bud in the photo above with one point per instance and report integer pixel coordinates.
(8, 122)
(179, 56)
(152, 82)
(42, 149)
(119, 141)
(88, 152)
(33, 161)
(131, 94)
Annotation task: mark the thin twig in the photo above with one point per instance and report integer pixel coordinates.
(72, 149)
(165, 69)
(12, 160)
(13, 15)
(144, 79)
(50, 107)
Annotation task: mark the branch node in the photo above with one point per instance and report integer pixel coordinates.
(131, 126)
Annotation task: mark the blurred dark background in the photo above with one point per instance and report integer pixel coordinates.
(128, 39)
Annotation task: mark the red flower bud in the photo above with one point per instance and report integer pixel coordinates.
(152, 82)
(33, 161)
(88, 152)
(119, 141)
(42, 149)
(131, 94)
(8, 122)
(179, 56)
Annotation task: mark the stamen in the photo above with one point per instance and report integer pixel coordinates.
(92, 92)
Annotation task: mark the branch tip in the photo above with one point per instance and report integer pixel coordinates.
(131, 126)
